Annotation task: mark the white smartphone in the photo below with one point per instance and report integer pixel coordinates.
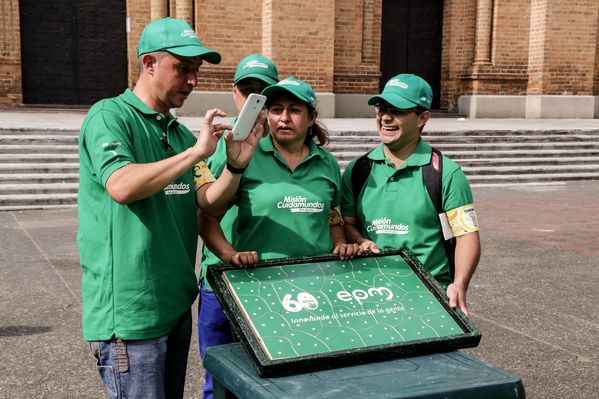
(248, 115)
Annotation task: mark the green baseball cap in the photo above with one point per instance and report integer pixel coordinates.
(405, 91)
(258, 67)
(298, 88)
(176, 37)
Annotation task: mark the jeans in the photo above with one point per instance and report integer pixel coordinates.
(213, 329)
(145, 369)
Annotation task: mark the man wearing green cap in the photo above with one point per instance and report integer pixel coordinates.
(391, 206)
(137, 204)
(253, 74)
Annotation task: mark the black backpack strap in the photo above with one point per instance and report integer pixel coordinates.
(432, 174)
(360, 173)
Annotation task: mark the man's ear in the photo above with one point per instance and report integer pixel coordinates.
(149, 63)
(423, 118)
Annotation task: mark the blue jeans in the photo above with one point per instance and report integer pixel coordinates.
(213, 329)
(145, 369)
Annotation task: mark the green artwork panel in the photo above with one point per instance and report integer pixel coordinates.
(333, 305)
(310, 313)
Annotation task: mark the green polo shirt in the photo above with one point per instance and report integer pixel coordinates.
(216, 163)
(138, 260)
(395, 210)
(284, 213)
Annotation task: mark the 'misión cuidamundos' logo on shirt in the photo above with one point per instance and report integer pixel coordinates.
(300, 204)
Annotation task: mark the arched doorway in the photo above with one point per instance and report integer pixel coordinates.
(72, 52)
(411, 41)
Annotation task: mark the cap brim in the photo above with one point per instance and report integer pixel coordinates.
(194, 51)
(395, 100)
(270, 90)
(266, 79)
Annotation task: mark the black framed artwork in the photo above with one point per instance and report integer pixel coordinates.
(301, 314)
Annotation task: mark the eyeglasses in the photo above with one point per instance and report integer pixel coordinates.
(251, 86)
(395, 112)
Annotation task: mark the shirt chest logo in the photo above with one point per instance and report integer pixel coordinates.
(386, 226)
(176, 189)
(300, 204)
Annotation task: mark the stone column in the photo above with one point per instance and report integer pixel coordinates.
(484, 32)
(301, 39)
(158, 9)
(184, 10)
(561, 59)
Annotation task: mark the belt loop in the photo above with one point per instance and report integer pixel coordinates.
(122, 360)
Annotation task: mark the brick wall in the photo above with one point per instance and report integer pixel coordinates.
(139, 14)
(541, 47)
(459, 29)
(357, 46)
(534, 46)
(464, 71)
(234, 29)
(596, 84)
(301, 40)
(10, 54)
(563, 47)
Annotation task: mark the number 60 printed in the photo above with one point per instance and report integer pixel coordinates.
(304, 300)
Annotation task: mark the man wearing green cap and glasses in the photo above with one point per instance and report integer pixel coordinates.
(253, 74)
(390, 206)
(137, 226)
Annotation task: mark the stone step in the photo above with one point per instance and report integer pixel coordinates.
(471, 133)
(462, 147)
(549, 160)
(15, 200)
(492, 155)
(507, 167)
(528, 169)
(40, 168)
(477, 139)
(38, 188)
(537, 161)
(36, 206)
(47, 158)
(38, 178)
(38, 149)
(532, 178)
(40, 132)
(512, 139)
(511, 133)
(516, 146)
(354, 152)
(28, 139)
(520, 153)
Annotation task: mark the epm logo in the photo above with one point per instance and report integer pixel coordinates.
(307, 301)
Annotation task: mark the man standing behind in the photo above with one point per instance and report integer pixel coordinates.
(394, 209)
(137, 227)
(253, 74)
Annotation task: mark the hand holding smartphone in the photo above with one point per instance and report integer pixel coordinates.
(248, 115)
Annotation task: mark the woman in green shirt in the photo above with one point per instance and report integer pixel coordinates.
(289, 194)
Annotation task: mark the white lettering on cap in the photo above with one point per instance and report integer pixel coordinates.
(398, 83)
(188, 33)
(289, 82)
(255, 64)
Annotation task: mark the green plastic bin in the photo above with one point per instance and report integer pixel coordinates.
(441, 375)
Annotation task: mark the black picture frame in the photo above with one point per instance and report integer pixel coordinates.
(267, 367)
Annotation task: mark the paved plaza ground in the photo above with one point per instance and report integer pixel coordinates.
(534, 297)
